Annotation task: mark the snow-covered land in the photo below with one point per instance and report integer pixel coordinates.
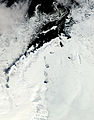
(56, 82)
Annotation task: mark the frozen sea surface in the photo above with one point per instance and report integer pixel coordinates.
(53, 83)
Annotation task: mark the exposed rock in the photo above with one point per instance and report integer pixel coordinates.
(61, 44)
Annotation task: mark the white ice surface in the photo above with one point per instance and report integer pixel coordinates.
(69, 70)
